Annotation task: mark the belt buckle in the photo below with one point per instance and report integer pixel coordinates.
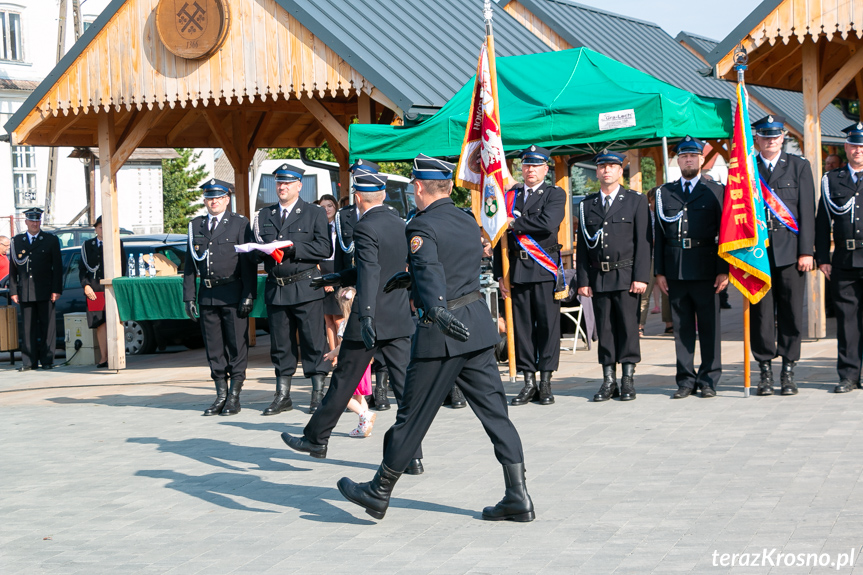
(208, 283)
(605, 266)
(687, 243)
(851, 245)
(280, 281)
(522, 254)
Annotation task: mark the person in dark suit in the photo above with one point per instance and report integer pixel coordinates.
(445, 258)
(539, 210)
(613, 268)
(791, 228)
(839, 210)
(292, 304)
(688, 267)
(379, 322)
(35, 283)
(226, 296)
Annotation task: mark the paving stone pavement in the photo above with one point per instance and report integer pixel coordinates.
(119, 473)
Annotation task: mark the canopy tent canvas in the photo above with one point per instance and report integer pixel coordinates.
(572, 102)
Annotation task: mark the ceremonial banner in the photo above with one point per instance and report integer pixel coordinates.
(743, 231)
(481, 165)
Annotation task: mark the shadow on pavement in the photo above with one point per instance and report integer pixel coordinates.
(253, 400)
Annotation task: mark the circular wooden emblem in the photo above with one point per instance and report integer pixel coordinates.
(192, 29)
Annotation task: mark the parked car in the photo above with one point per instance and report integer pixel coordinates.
(72, 236)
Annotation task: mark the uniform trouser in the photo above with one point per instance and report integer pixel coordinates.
(695, 302)
(786, 296)
(286, 321)
(617, 326)
(536, 320)
(40, 323)
(353, 360)
(379, 363)
(428, 382)
(848, 300)
(226, 339)
(645, 301)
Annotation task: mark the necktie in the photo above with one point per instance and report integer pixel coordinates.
(607, 203)
(284, 215)
(213, 222)
(859, 176)
(687, 187)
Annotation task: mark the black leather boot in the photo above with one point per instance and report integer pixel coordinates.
(415, 467)
(382, 401)
(765, 387)
(282, 401)
(516, 504)
(221, 397)
(374, 496)
(232, 406)
(544, 396)
(457, 398)
(317, 392)
(627, 381)
(609, 384)
(303, 445)
(528, 391)
(786, 378)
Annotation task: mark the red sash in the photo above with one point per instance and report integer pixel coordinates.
(777, 207)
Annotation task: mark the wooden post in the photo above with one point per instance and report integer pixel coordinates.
(111, 244)
(747, 347)
(817, 324)
(564, 233)
(635, 182)
(241, 192)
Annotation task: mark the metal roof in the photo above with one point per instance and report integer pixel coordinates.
(722, 48)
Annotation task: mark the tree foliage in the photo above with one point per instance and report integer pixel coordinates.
(180, 179)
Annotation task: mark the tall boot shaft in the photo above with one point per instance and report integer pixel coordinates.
(381, 393)
(282, 400)
(545, 396)
(374, 496)
(528, 391)
(232, 405)
(765, 386)
(609, 384)
(317, 392)
(221, 397)
(786, 378)
(627, 382)
(516, 504)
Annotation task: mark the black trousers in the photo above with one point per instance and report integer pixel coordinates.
(40, 333)
(786, 297)
(617, 317)
(536, 320)
(848, 300)
(428, 382)
(353, 360)
(286, 321)
(226, 339)
(695, 302)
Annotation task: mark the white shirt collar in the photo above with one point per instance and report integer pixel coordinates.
(613, 194)
(32, 238)
(529, 190)
(289, 208)
(218, 218)
(692, 183)
(360, 215)
(770, 163)
(853, 173)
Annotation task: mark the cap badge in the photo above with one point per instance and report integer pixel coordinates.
(533, 148)
(416, 244)
(605, 151)
(859, 126)
(688, 139)
(770, 119)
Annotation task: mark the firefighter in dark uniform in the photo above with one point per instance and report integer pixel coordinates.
(688, 267)
(293, 306)
(840, 209)
(792, 242)
(35, 283)
(613, 268)
(226, 296)
(539, 210)
(445, 258)
(380, 323)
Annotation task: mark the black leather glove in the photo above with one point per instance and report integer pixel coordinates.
(401, 280)
(192, 310)
(331, 280)
(448, 324)
(367, 329)
(289, 251)
(245, 308)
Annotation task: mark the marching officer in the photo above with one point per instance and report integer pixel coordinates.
(445, 258)
(613, 268)
(293, 306)
(539, 209)
(688, 267)
(228, 287)
(35, 283)
(789, 194)
(839, 209)
(380, 323)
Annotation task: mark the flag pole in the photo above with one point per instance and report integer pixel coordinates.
(741, 59)
(504, 247)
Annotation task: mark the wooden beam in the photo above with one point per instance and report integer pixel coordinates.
(634, 158)
(842, 78)
(185, 122)
(767, 70)
(239, 127)
(387, 116)
(222, 137)
(328, 122)
(257, 139)
(130, 143)
(564, 232)
(380, 98)
(62, 130)
(365, 106)
(313, 129)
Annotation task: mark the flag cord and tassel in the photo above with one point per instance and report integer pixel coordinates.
(741, 59)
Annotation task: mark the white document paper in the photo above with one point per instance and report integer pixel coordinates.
(266, 248)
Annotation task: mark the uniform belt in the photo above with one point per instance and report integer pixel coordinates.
(608, 266)
(852, 245)
(455, 303)
(288, 280)
(213, 282)
(688, 243)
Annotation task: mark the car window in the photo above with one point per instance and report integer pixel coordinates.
(67, 239)
(176, 255)
(71, 280)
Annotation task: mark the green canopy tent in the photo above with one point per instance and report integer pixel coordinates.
(572, 102)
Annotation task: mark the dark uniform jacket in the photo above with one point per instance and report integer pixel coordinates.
(842, 189)
(445, 257)
(308, 228)
(222, 262)
(626, 236)
(42, 274)
(380, 253)
(540, 219)
(792, 181)
(702, 215)
(92, 253)
(346, 219)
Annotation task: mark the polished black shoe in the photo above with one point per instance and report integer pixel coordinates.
(102, 365)
(457, 400)
(221, 397)
(303, 445)
(609, 384)
(707, 391)
(544, 397)
(682, 392)
(317, 392)
(232, 406)
(374, 496)
(48, 366)
(845, 386)
(282, 401)
(627, 382)
(382, 400)
(516, 504)
(765, 386)
(26, 368)
(528, 391)
(725, 305)
(786, 378)
(415, 467)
